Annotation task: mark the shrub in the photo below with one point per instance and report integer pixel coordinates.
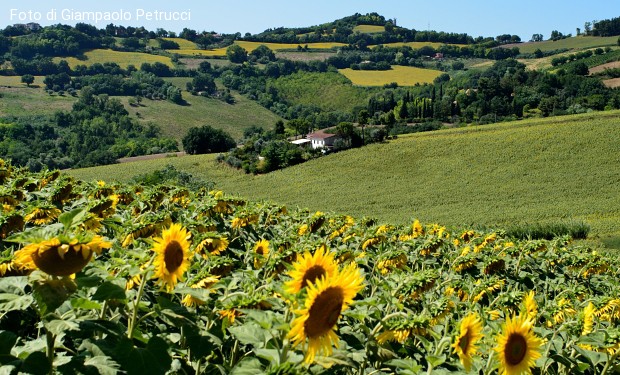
(206, 140)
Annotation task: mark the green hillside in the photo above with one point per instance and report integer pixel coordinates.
(576, 42)
(16, 98)
(175, 120)
(529, 171)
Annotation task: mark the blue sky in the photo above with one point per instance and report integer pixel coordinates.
(474, 17)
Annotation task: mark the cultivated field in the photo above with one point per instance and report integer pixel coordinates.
(251, 46)
(123, 59)
(403, 75)
(143, 279)
(536, 170)
(369, 29)
(578, 42)
(329, 91)
(417, 45)
(305, 56)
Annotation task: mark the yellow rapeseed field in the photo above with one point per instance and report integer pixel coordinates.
(403, 75)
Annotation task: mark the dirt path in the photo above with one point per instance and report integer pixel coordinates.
(150, 157)
(600, 68)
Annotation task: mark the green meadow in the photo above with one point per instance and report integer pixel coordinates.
(536, 170)
(175, 120)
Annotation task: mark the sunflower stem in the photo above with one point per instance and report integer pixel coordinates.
(610, 361)
(51, 339)
(134, 314)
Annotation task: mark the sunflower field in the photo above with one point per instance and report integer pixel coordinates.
(100, 278)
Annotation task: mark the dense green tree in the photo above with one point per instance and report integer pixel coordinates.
(537, 38)
(207, 139)
(28, 79)
(203, 83)
(263, 53)
(167, 44)
(236, 54)
(279, 127)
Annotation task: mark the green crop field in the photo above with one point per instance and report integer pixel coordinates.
(577, 42)
(417, 45)
(403, 75)
(329, 91)
(537, 170)
(369, 29)
(175, 120)
(121, 58)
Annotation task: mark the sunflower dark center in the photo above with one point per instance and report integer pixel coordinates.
(324, 312)
(260, 250)
(173, 256)
(464, 342)
(312, 274)
(516, 348)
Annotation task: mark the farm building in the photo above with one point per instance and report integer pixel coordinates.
(320, 139)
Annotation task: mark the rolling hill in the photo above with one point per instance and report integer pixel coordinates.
(536, 170)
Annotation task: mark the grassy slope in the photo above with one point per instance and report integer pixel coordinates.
(329, 91)
(175, 120)
(527, 171)
(577, 42)
(121, 58)
(20, 100)
(403, 75)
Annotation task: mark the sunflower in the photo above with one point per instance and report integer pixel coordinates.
(206, 283)
(172, 259)
(529, 306)
(42, 215)
(59, 256)
(465, 343)
(326, 299)
(588, 319)
(310, 268)
(517, 347)
(229, 314)
(213, 245)
(261, 249)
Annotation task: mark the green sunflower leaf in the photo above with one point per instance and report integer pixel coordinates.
(108, 291)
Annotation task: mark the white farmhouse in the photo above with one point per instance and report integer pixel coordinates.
(320, 139)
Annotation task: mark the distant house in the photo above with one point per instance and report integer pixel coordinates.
(320, 139)
(438, 56)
